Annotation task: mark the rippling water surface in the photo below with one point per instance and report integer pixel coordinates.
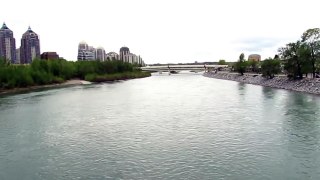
(183, 126)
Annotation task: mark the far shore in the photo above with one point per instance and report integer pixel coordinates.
(306, 85)
(91, 78)
(72, 82)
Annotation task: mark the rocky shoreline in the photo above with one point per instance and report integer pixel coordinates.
(306, 85)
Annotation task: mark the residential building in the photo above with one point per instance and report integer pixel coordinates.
(132, 58)
(126, 56)
(82, 48)
(49, 55)
(18, 56)
(93, 52)
(100, 54)
(30, 47)
(112, 56)
(7, 44)
(85, 52)
(124, 52)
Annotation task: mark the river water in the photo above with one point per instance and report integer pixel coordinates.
(182, 126)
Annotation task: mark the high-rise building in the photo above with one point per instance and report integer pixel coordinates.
(18, 56)
(85, 52)
(30, 47)
(93, 53)
(100, 54)
(124, 51)
(82, 48)
(128, 57)
(7, 44)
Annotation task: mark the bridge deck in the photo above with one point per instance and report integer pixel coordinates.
(182, 67)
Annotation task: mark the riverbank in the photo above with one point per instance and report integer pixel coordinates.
(91, 78)
(116, 77)
(72, 82)
(306, 85)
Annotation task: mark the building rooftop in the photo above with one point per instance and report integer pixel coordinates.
(100, 47)
(4, 26)
(29, 32)
(254, 55)
(111, 53)
(82, 42)
(124, 49)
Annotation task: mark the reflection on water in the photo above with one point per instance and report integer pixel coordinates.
(301, 124)
(242, 88)
(269, 93)
(182, 126)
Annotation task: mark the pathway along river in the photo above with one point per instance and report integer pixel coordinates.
(182, 126)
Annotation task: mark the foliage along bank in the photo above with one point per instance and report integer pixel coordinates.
(42, 72)
(295, 59)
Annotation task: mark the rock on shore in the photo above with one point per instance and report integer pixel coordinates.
(307, 85)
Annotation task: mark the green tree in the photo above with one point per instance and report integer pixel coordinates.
(241, 57)
(68, 69)
(222, 62)
(305, 58)
(311, 38)
(3, 62)
(254, 65)
(270, 67)
(294, 57)
(241, 65)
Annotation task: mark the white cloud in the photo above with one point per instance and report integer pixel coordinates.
(164, 30)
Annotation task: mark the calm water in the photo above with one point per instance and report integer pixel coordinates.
(164, 127)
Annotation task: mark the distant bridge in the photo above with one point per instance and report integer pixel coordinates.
(183, 68)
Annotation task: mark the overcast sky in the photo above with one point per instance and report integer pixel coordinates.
(163, 31)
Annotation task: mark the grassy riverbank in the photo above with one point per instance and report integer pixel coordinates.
(68, 83)
(52, 72)
(117, 76)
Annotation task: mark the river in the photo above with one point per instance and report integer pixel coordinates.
(182, 126)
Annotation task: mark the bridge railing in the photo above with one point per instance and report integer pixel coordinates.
(185, 66)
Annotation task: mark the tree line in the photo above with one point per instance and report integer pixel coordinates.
(41, 72)
(294, 59)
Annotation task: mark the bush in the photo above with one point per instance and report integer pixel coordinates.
(57, 80)
(270, 67)
(90, 77)
(41, 72)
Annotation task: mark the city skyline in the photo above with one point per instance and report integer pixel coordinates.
(90, 53)
(165, 31)
(28, 50)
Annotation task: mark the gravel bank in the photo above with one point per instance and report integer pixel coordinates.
(306, 85)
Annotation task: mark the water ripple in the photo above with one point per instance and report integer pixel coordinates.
(163, 127)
